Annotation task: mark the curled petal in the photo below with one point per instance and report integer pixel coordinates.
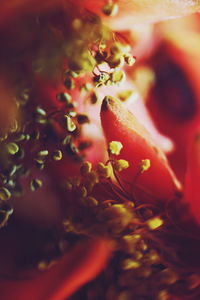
(62, 279)
(192, 193)
(120, 125)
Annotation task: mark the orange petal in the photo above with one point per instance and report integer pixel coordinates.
(120, 125)
(192, 193)
(65, 277)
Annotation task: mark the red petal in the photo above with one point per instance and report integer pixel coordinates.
(120, 125)
(65, 277)
(192, 193)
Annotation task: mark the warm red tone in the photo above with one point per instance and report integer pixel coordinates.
(73, 270)
(120, 125)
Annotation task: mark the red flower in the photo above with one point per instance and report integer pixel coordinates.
(74, 220)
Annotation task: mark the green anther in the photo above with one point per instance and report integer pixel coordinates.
(115, 147)
(70, 124)
(5, 213)
(28, 137)
(57, 155)
(13, 170)
(5, 194)
(20, 137)
(154, 223)
(35, 184)
(42, 153)
(120, 165)
(67, 140)
(69, 83)
(64, 97)
(145, 165)
(40, 111)
(12, 148)
(110, 9)
(71, 73)
(82, 119)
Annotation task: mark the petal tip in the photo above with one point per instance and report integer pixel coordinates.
(108, 101)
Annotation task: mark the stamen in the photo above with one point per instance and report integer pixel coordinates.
(120, 165)
(115, 147)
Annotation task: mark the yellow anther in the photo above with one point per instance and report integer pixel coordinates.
(125, 95)
(117, 217)
(35, 184)
(70, 124)
(4, 194)
(45, 265)
(153, 257)
(103, 170)
(57, 155)
(90, 201)
(117, 76)
(110, 9)
(85, 168)
(154, 223)
(145, 165)
(12, 148)
(120, 165)
(77, 24)
(92, 177)
(116, 48)
(115, 147)
(130, 264)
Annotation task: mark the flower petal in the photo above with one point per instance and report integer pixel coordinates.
(120, 125)
(192, 193)
(62, 279)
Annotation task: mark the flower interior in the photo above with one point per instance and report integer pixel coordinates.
(132, 198)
